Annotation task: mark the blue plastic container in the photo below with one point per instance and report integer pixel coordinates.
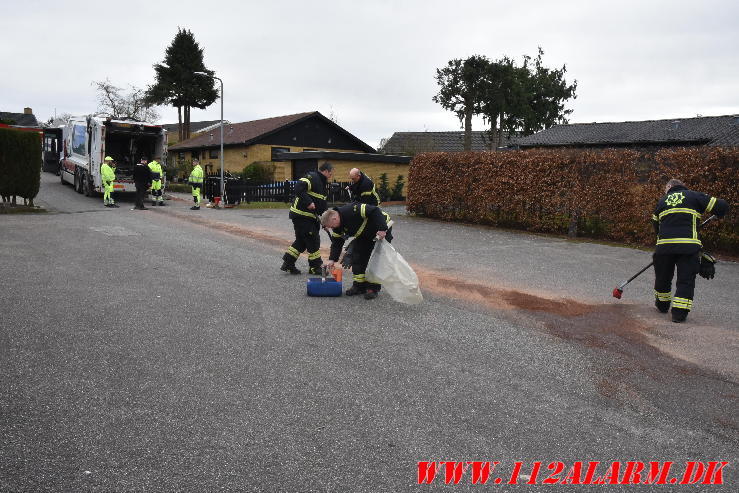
(329, 288)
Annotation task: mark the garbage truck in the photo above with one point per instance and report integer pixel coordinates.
(89, 139)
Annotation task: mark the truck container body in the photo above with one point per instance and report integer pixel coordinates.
(53, 146)
(89, 139)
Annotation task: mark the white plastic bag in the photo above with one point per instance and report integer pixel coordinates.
(387, 267)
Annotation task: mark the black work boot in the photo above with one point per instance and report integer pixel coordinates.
(662, 306)
(355, 289)
(679, 314)
(371, 294)
(289, 267)
(315, 269)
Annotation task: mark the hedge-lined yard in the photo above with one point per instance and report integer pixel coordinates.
(605, 194)
(20, 165)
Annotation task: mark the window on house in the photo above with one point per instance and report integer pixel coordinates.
(213, 153)
(180, 156)
(278, 150)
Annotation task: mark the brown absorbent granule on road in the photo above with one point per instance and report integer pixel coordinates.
(271, 239)
(499, 298)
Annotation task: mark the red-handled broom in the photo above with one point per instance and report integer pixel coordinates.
(617, 292)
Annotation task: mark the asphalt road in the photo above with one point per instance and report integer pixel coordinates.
(163, 350)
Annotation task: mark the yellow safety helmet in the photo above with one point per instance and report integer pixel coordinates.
(108, 158)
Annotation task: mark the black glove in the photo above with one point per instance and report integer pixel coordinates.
(346, 260)
(707, 269)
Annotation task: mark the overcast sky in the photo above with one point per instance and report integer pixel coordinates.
(372, 63)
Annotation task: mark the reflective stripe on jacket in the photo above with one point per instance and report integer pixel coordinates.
(107, 173)
(196, 176)
(156, 170)
(677, 216)
(364, 191)
(361, 221)
(311, 189)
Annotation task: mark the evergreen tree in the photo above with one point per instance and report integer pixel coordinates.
(384, 189)
(178, 85)
(398, 189)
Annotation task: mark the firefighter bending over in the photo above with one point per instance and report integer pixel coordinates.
(364, 222)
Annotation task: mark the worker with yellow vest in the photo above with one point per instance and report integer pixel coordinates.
(107, 173)
(196, 181)
(156, 182)
(310, 202)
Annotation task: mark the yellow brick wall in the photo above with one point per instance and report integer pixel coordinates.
(233, 160)
(262, 152)
(236, 158)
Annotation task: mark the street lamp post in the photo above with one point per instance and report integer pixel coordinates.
(223, 183)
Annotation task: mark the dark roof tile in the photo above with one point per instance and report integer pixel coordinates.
(415, 142)
(698, 130)
(19, 119)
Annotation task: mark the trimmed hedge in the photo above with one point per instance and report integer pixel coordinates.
(20, 164)
(606, 194)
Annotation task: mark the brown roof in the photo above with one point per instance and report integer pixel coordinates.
(194, 126)
(241, 133)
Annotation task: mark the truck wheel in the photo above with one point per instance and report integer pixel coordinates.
(78, 182)
(86, 186)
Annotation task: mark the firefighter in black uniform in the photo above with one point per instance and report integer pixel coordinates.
(676, 220)
(310, 203)
(364, 222)
(362, 188)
